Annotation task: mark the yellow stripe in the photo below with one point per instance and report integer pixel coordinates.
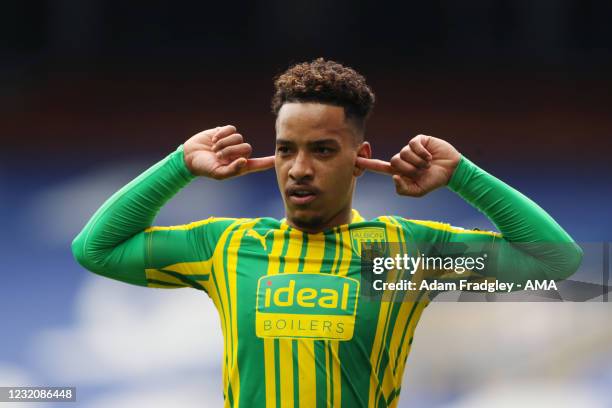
(293, 251)
(389, 381)
(347, 251)
(164, 277)
(269, 357)
(449, 228)
(337, 252)
(232, 265)
(327, 376)
(335, 360)
(286, 372)
(189, 226)
(277, 247)
(314, 253)
(332, 361)
(307, 374)
(409, 333)
(306, 353)
(220, 299)
(383, 324)
(285, 349)
(270, 378)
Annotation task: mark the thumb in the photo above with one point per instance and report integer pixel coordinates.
(231, 169)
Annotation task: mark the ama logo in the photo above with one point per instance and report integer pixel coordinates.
(306, 305)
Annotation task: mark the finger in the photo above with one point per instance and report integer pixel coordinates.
(378, 166)
(234, 151)
(231, 169)
(233, 139)
(407, 155)
(259, 164)
(205, 136)
(417, 144)
(403, 167)
(222, 132)
(405, 186)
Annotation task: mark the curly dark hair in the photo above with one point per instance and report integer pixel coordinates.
(327, 82)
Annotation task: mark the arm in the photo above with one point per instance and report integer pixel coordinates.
(531, 244)
(112, 243)
(118, 241)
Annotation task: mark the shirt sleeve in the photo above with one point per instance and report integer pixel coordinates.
(530, 244)
(119, 242)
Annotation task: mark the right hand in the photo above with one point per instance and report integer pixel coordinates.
(221, 153)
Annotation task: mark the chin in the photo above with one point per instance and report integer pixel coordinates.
(306, 219)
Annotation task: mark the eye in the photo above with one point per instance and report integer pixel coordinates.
(324, 150)
(282, 150)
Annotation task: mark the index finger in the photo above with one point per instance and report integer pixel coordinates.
(378, 166)
(258, 164)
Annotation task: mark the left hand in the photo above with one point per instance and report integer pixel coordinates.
(423, 165)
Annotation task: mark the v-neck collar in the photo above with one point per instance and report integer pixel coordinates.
(355, 217)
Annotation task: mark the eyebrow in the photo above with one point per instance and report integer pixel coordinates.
(316, 142)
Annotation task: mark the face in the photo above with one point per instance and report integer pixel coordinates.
(316, 150)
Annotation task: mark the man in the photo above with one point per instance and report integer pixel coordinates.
(296, 330)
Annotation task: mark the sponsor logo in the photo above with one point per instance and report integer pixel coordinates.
(306, 305)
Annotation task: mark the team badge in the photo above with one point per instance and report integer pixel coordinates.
(370, 236)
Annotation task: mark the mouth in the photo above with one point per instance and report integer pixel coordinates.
(301, 195)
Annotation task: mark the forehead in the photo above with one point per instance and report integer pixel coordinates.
(306, 121)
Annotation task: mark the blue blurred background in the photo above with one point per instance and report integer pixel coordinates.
(94, 92)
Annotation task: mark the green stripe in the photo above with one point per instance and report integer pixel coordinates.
(340, 249)
(294, 343)
(331, 373)
(393, 395)
(387, 332)
(159, 282)
(281, 262)
(321, 373)
(303, 252)
(329, 251)
(230, 395)
(281, 269)
(394, 313)
(227, 287)
(223, 321)
(296, 374)
(200, 277)
(251, 361)
(182, 278)
(414, 306)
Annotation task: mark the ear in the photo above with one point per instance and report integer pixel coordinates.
(364, 150)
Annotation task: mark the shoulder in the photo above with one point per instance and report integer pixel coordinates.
(431, 227)
(215, 225)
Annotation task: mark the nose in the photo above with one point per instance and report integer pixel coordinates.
(301, 167)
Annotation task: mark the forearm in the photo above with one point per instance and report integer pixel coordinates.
(538, 242)
(111, 242)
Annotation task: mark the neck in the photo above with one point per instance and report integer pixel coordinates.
(345, 216)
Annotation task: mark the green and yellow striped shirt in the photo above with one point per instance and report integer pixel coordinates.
(297, 332)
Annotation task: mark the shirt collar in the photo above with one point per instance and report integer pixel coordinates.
(355, 217)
